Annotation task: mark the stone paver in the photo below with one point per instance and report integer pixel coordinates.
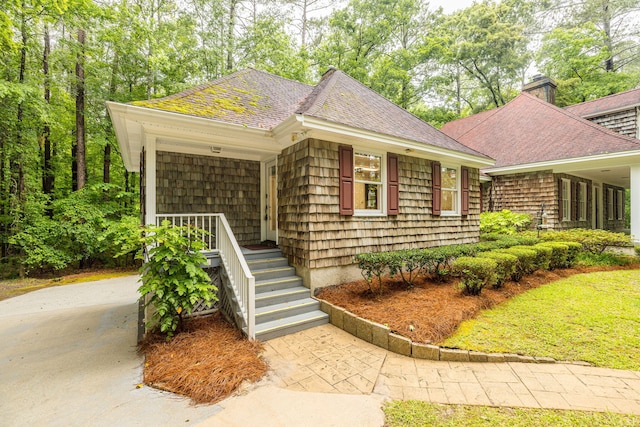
(327, 359)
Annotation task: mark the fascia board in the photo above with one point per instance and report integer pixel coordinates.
(623, 158)
(347, 134)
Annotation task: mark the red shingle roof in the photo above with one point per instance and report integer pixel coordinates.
(530, 130)
(615, 102)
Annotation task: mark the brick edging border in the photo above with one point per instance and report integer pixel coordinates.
(381, 336)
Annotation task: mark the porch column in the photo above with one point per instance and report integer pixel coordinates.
(150, 179)
(635, 202)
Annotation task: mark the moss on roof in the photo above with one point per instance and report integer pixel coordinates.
(209, 102)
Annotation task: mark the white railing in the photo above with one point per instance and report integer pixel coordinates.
(222, 239)
(207, 222)
(241, 278)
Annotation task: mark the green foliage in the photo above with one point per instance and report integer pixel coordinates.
(503, 222)
(543, 256)
(373, 265)
(408, 264)
(589, 259)
(559, 254)
(505, 266)
(526, 262)
(173, 276)
(595, 241)
(475, 273)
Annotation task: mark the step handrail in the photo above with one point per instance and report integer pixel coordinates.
(221, 238)
(242, 281)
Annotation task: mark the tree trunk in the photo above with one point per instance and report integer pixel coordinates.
(606, 20)
(230, 35)
(47, 171)
(80, 152)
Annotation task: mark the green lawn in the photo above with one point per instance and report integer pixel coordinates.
(414, 413)
(591, 317)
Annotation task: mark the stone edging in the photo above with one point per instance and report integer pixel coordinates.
(381, 336)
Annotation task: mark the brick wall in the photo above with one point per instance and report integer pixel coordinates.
(202, 184)
(313, 234)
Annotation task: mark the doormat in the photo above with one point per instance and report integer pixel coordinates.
(264, 245)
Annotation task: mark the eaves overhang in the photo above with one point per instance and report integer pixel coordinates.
(300, 127)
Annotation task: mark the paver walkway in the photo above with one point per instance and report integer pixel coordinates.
(327, 359)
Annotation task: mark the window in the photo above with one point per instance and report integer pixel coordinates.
(365, 189)
(565, 199)
(449, 190)
(610, 204)
(582, 201)
(367, 182)
(620, 205)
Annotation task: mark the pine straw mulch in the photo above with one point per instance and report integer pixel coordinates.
(206, 362)
(431, 311)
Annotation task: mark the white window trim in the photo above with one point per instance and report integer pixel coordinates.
(621, 200)
(458, 190)
(582, 202)
(610, 204)
(382, 210)
(566, 197)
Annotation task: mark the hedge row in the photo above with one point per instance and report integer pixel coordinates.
(437, 262)
(490, 262)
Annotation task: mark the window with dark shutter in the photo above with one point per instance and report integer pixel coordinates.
(393, 187)
(345, 160)
(574, 201)
(560, 201)
(436, 187)
(464, 209)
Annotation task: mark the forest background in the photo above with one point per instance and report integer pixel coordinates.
(66, 200)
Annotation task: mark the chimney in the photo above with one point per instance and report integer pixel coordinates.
(542, 87)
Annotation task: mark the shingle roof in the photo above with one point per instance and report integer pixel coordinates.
(259, 99)
(530, 130)
(615, 102)
(247, 97)
(339, 98)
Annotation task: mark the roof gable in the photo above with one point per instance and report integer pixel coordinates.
(529, 130)
(339, 98)
(616, 102)
(248, 97)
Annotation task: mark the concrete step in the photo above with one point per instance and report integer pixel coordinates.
(267, 263)
(278, 283)
(286, 309)
(280, 296)
(280, 327)
(273, 273)
(250, 255)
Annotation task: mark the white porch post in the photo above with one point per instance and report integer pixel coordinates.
(635, 202)
(150, 179)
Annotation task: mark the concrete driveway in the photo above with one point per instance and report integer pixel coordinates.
(68, 358)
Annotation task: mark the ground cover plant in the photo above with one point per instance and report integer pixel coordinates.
(594, 319)
(412, 413)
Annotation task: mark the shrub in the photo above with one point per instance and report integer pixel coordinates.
(475, 273)
(373, 265)
(637, 250)
(173, 275)
(407, 263)
(606, 258)
(594, 241)
(574, 248)
(503, 222)
(505, 265)
(525, 264)
(559, 254)
(543, 256)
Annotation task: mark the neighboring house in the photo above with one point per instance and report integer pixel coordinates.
(553, 164)
(326, 171)
(619, 112)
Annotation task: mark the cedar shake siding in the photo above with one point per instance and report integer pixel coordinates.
(313, 234)
(201, 184)
(623, 122)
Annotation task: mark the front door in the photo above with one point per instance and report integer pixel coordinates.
(270, 218)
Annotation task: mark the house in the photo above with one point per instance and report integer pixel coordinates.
(325, 172)
(553, 164)
(619, 112)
